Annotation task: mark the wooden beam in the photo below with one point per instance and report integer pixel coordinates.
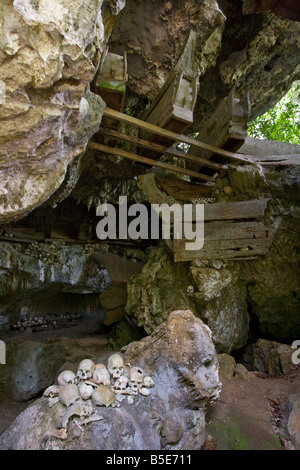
(235, 157)
(241, 210)
(148, 161)
(222, 249)
(153, 146)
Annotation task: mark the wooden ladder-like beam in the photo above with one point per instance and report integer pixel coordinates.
(234, 157)
(148, 161)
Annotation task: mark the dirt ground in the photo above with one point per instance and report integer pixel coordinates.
(252, 414)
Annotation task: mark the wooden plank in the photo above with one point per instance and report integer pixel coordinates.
(222, 249)
(235, 157)
(153, 146)
(234, 231)
(183, 190)
(235, 210)
(148, 161)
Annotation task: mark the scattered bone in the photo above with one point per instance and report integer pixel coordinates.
(52, 391)
(53, 401)
(144, 391)
(148, 382)
(103, 396)
(130, 400)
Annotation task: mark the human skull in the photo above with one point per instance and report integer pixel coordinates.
(85, 370)
(66, 377)
(69, 395)
(136, 379)
(85, 390)
(148, 382)
(115, 365)
(121, 383)
(101, 375)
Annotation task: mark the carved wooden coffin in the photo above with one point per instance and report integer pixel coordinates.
(232, 230)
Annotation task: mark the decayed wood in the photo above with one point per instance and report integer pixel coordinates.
(235, 210)
(148, 161)
(159, 148)
(222, 249)
(183, 190)
(229, 232)
(279, 160)
(226, 128)
(235, 157)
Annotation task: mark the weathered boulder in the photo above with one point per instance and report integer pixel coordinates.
(227, 366)
(293, 425)
(30, 368)
(47, 62)
(181, 358)
(272, 357)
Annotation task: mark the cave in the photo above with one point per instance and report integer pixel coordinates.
(116, 339)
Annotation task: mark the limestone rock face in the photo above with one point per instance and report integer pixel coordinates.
(272, 280)
(50, 51)
(217, 297)
(293, 425)
(256, 53)
(272, 357)
(158, 290)
(30, 368)
(181, 358)
(36, 273)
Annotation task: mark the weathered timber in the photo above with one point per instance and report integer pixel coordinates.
(279, 160)
(161, 149)
(241, 210)
(227, 128)
(150, 182)
(182, 190)
(221, 249)
(148, 161)
(231, 230)
(234, 157)
(172, 110)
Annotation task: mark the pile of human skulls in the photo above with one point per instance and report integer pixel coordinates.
(97, 385)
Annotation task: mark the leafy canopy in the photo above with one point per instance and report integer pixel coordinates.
(282, 122)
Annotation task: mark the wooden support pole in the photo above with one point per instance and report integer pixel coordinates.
(153, 146)
(235, 157)
(148, 161)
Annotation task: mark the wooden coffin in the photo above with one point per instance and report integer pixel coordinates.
(232, 230)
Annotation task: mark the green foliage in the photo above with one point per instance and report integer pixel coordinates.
(282, 122)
